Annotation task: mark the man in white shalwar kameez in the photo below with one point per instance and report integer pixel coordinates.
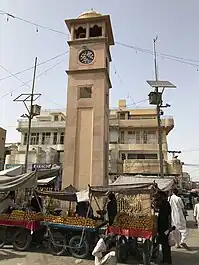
(178, 219)
(100, 248)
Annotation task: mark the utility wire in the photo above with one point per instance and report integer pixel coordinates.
(164, 55)
(9, 15)
(27, 82)
(39, 64)
(122, 83)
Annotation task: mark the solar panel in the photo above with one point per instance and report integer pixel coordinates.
(160, 83)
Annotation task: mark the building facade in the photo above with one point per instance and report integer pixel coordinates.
(2, 147)
(133, 142)
(46, 140)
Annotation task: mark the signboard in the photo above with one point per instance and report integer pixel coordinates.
(41, 166)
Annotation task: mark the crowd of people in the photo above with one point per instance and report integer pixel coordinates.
(170, 208)
(171, 218)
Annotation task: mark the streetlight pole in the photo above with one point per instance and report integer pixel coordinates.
(158, 104)
(30, 116)
(33, 111)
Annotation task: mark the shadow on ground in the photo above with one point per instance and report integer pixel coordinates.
(186, 257)
(7, 255)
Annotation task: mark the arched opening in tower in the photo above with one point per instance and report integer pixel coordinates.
(95, 31)
(80, 33)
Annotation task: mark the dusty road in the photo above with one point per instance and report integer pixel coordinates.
(182, 257)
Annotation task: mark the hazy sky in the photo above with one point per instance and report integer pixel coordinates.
(135, 23)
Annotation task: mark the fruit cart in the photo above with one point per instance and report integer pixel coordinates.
(70, 233)
(135, 223)
(19, 227)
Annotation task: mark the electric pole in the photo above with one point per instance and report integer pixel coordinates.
(30, 116)
(33, 111)
(158, 105)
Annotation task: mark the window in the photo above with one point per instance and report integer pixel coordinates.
(34, 138)
(62, 118)
(122, 137)
(131, 156)
(56, 118)
(95, 31)
(46, 138)
(55, 138)
(140, 156)
(151, 137)
(123, 156)
(122, 116)
(85, 92)
(151, 156)
(62, 138)
(25, 138)
(132, 137)
(80, 33)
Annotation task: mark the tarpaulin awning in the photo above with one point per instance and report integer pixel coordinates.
(70, 188)
(122, 189)
(45, 181)
(59, 195)
(8, 183)
(14, 171)
(162, 183)
(47, 173)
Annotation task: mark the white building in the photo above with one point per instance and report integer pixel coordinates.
(133, 141)
(46, 140)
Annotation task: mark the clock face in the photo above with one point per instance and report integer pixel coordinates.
(86, 57)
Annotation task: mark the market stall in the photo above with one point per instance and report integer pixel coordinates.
(18, 226)
(67, 232)
(135, 222)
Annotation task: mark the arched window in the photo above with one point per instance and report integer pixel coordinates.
(95, 31)
(80, 33)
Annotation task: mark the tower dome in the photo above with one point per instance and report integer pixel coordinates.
(89, 14)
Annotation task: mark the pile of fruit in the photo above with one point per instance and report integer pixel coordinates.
(73, 221)
(3, 217)
(125, 221)
(21, 216)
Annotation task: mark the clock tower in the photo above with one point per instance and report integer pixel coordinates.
(87, 118)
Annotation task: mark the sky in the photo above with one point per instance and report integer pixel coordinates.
(135, 24)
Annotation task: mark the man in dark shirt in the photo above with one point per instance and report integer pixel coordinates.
(111, 208)
(164, 226)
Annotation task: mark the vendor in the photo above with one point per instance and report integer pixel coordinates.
(36, 204)
(82, 209)
(7, 203)
(111, 208)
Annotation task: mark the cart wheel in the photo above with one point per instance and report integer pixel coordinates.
(1, 243)
(57, 244)
(2, 237)
(22, 240)
(77, 251)
(147, 251)
(122, 253)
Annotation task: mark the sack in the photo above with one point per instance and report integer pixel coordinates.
(172, 239)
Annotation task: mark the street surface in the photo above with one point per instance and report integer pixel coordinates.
(38, 257)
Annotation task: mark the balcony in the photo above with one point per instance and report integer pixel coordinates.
(167, 123)
(58, 147)
(143, 166)
(137, 147)
(22, 125)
